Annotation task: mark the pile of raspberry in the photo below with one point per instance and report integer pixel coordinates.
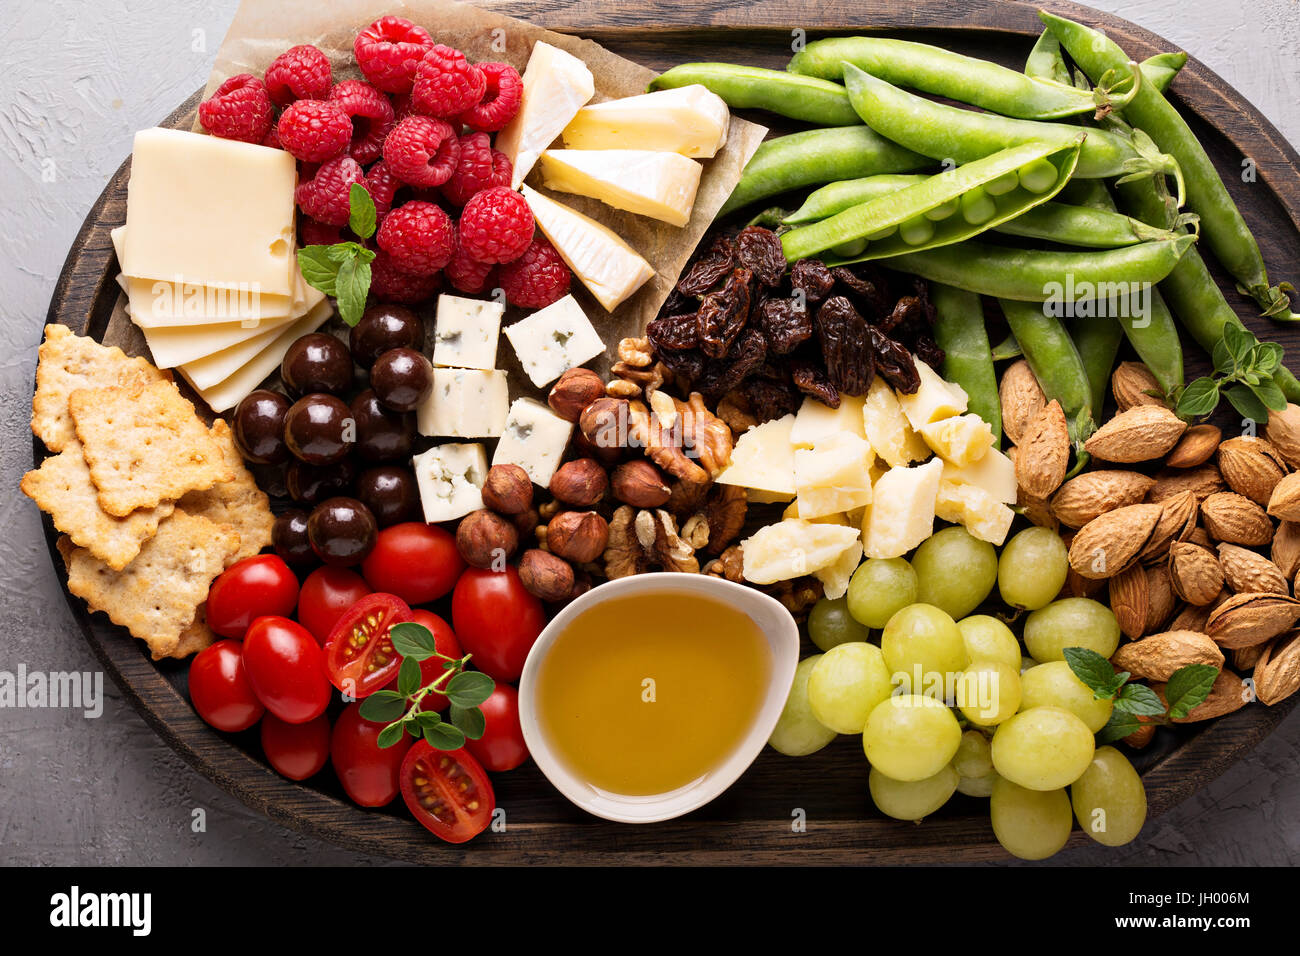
(417, 133)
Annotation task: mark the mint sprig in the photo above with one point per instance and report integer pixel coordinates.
(342, 269)
(1243, 374)
(1186, 689)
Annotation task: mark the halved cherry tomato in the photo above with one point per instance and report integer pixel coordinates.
(249, 589)
(219, 688)
(369, 773)
(326, 595)
(444, 640)
(496, 620)
(416, 561)
(502, 745)
(359, 654)
(296, 751)
(447, 792)
(286, 669)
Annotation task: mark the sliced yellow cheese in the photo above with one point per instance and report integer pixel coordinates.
(961, 440)
(995, 473)
(935, 399)
(690, 120)
(901, 515)
(763, 460)
(659, 185)
(556, 84)
(833, 476)
(815, 421)
(982, 514)
(756, 497)
(887, 429)
(791, 549)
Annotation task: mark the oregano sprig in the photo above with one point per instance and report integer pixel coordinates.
(342, 269)
(1243, 374)
(1186, 688)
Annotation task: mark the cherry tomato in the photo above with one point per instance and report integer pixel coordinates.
(219, 688)
(418, 562)
(496, 620)
(249, 589)
(369, 773)
(359, 654)
(502, 745)
(296, 751)
(447, 792)
(286, 669)
(326, 594)
(444, 639)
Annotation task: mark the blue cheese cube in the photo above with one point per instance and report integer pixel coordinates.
(534, 439)
(450, 479)
(464, 403)
(553, 340)
(467, 332)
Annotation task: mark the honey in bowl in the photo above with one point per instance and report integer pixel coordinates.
(646, 694)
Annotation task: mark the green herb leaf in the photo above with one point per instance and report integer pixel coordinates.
(1244, 401)
(1118, 727)
(1199, 398)
(1140, 701)
(444, 737)
(1095, 672)
(469, 689)
(318, 267)
(1188, 687)
(408, 676)
(1223, 362)
(1239, 342)
(427, 718)
(1268, 392)
(361, 215)
(412, 640)
(390, 735)
(383, 706)
(1268, 357)
(413, 726)
(351, 288)
(469, 721)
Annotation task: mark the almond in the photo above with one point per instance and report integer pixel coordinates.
(1043, 452)
(1108, 544)
(1090, 495)
(1245, 570)
(1200, 538)
(1286, 548)
(1236, 519)
(1158, 656)
(1076, 585)
(1191, 618)
(1195, 573)
(1251, 467)
(1022, 399)
(1196, 447)
(1284, 502)
(1244, 659)
(1247, 619)
(1177, 521)
(1133, 384)
(1283, 431)
(1228, 694)
(1142, 433)
(1130, 601)
(1037, 510)
(1277, 672)
(1142, 736)
(1160, 597)
(1202, 482)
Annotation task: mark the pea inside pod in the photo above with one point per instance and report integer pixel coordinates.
(804, 98)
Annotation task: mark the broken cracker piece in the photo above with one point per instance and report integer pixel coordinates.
(238, 502)
(195, 637)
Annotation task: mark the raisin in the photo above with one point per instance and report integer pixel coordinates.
(710, 269)
(894, 362)
(909, 314)
(759, 250)
(867, 291)
(724, 313)
(848, 356)
(928, 351)
(785, 324)
(686, 367)
(811, 380)
(813, 279)
(770, 398)
(674, 333)
(746, 356)
(678, 304)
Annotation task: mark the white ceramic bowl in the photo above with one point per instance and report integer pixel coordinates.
(783, 638)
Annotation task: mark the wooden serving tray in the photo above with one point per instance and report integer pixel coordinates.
(754, 821)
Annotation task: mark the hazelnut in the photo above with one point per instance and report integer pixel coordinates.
(605, 423)
(545, 576)
(579, 536)
(485, 539)
(580, 446)
(581, 483)
(576, 389)
(581, 585)
(508, 490)
(525, 523)
(640, 484)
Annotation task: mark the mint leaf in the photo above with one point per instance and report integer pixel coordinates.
(1188, 687)
(1095, 672)
(408, 676)
(1244, 401)
(390, 735)
(1199, 398)
(383, 706)
(361, 215)
(1140, 701)
(444, 736)
(318, 267)
(1118, 727)
(413, 641)
(469, 689)
(351, 287)
(469, 721)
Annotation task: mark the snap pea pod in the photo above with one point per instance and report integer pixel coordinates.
(819, 156)
(1045, 61)
(1055, 362)
(1008, 348)
(967, 360)
(836, 197)
(1222, 224)
(1159, 71)
(804, 98)
(1092, 228)
(1097, 340)
(1087, 192)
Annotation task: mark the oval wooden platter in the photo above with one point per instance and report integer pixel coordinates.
(811, 810)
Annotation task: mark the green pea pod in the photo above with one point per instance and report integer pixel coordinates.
(818, 156)
(1055, 362)
(946, 191)
(805, 98)
(1159, 71)
(1087, 192)
(836, 197)
(1097, 341)
(1007, 349)
(959, 330)
(1045, 61)
(1082, 226)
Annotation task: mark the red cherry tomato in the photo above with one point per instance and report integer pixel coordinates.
(502, 745)
(444, 639)
(369, 773)
(447, 792)
(286, 669)
(219, 688)
(359, 654)
(296, 751)
(496, 620)
(418, 562)
(249, 589)
(326, 594)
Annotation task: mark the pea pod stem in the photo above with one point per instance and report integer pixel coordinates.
(805, 98)
(959, 330)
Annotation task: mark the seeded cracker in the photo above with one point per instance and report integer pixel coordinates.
(145, 446)
(62, 487)
(239, 502)
(69, 362)
(156, 596)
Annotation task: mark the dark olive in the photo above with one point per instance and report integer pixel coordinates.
(312, 484)
(402, 378)
(382, 327)
(289, 536)
(381, 434)
(342, 531)
(259, 427)
(317, 362)
(318, 429)
(391, 494)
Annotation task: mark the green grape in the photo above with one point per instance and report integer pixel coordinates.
(797, 732)
(988, 693)
(911, 799)
(844, 686)
(978, 786)
(955, 571)
(1027, 662)
(830, 624)
(1030, 824)
(1032, 568)
(879, 588)
(909, 737)
(1071, 622)
(988, 639)
(973, 758)
(922, 643)
(1054, 685)
(1042, 748)
(1109, 800)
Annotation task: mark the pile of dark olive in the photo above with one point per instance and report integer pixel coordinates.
(347, 463)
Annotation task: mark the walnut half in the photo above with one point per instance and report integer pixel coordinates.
(643, 540)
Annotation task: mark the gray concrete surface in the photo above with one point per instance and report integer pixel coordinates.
(79, 79)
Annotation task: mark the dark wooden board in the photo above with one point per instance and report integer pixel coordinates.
(752, 822)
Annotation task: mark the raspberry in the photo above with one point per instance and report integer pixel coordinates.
(371, 115)
(315, 130)
(299, 73)
(382, 186)
(480, 166)
(467, 275)
(446, 84)
(537, 278)
(272, 139)
(313, 233)
(390, 284)
(324, 197)
(501, 98)
(239, 109)
(388, 51)
(496, 225)
(422, 151)
(419, 237)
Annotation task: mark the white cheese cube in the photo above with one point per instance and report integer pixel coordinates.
(466, 332)
(464, 403)
(534, 439)
(816, 421)
(793, 548)
(763, 461)
(553, 340)
(887, 428)
(833, 476)
(901, 515)
(935, 399)
(836, 575)
(983, 515)
(648, 183)
(994, 473)
(450, 479)
(961, 440)
(691, 120)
